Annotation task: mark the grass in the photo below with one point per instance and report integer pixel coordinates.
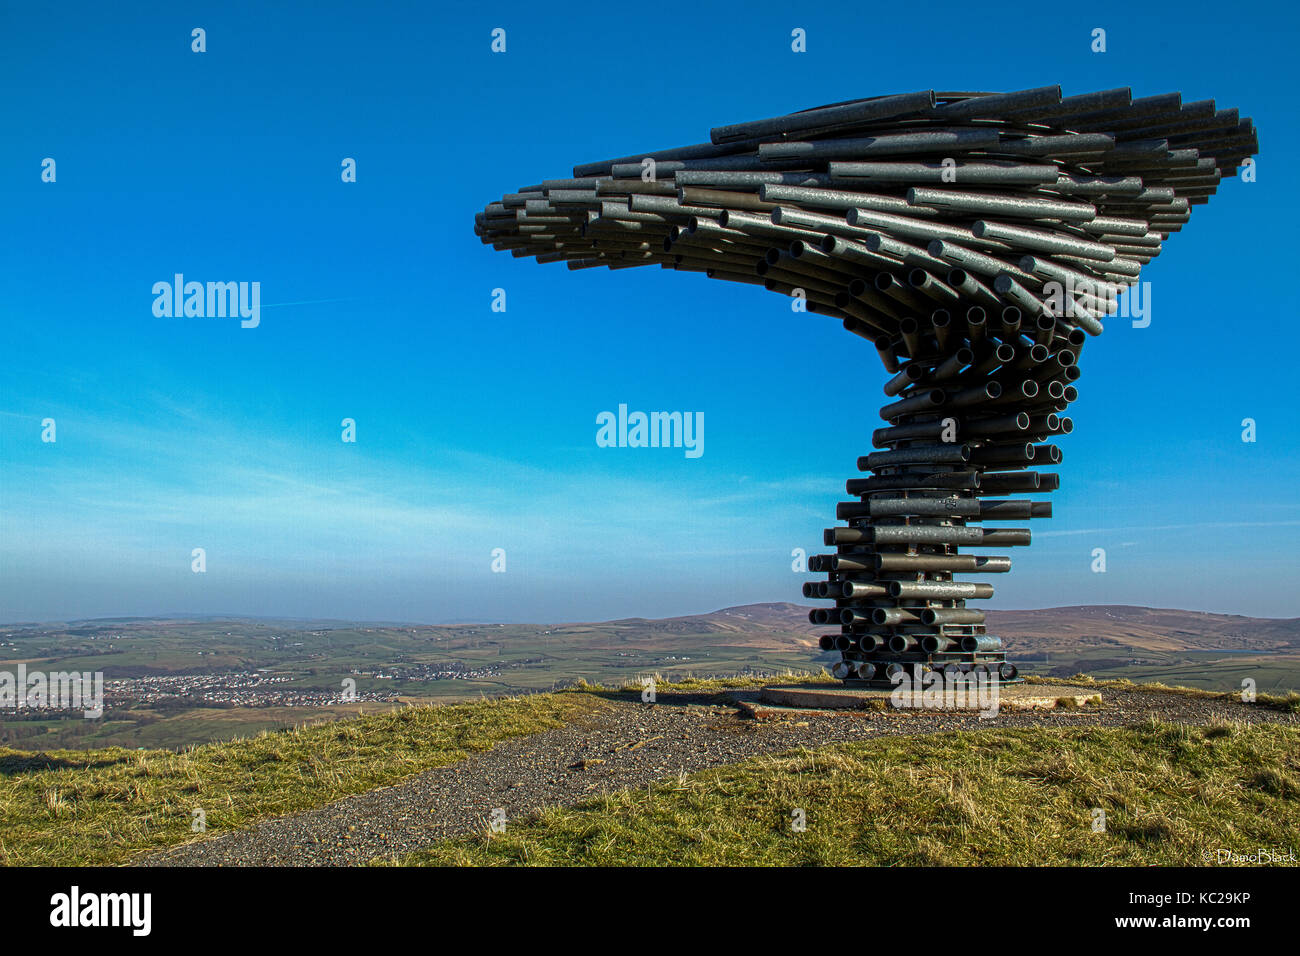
(1009, 797)
(1170, 794)
(103, 806)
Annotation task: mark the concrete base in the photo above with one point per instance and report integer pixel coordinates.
(838, 697)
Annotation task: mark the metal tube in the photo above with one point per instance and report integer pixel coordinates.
(973, 643)
(838, 199)
(939, 480)
(902, 643)
(920, 402)
(968, 174)
(1022, 237)
(971, 288)
(933, 644)
(999, 425)
(859, 589)
(940, 590)
(941, 321)
(858, 111)
(942, 562)
(996, 484)
(953, 615)
(908, 377)
(910, 330)
(943, 141)
(948, 507)
(984, 204)
(995, 356)
(953, 364)
(975, 395)
(928, 534)
(991, 106)
(866, 643)
(892, 616)
(916, 455)
(977, 262)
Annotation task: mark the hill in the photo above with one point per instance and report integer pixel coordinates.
(597, 776)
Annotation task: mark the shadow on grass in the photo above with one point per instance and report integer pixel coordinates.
(13, 763)
(671, 698)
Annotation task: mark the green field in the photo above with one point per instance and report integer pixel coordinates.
(318, 656)
(1273, 673)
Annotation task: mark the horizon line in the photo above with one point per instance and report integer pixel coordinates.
(180, 616)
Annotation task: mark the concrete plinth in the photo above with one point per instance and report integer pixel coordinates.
(1010, 697)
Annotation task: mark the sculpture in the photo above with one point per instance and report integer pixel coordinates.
(977, 240)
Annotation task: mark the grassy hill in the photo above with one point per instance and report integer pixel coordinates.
(1171, 794)
(96, 807)
(1011, 796)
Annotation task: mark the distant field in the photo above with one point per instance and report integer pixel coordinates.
(1275, 673)
(143, 729)
(412, 663)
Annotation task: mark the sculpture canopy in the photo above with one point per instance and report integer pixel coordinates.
(882, 208)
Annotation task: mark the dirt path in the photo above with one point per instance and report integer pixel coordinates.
(627, 745)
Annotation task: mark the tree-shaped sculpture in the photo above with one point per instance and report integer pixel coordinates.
(977, 240)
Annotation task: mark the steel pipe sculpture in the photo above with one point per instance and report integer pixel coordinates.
(977, 240)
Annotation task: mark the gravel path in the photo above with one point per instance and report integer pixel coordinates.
(626, 745)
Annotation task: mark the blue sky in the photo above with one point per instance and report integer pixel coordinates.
(476, 430)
